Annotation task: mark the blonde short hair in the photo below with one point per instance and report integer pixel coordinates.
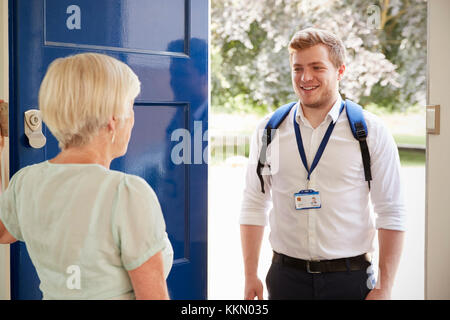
(310, 37)
(80, 94)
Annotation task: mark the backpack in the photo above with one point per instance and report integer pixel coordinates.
(357, 125)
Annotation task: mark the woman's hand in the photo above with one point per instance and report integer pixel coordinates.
(2, 140)
(2, 143)
(5, 236)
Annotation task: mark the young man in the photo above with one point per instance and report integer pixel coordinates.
(322, 252)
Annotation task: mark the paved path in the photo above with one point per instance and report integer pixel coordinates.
(225, 266)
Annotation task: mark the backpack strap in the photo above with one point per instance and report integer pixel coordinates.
(357, 124)
(359, 129)
(274, 122)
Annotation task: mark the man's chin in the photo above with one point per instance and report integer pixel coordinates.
(310, 103)
(316, 103)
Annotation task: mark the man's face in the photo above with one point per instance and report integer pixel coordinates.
(314, 77)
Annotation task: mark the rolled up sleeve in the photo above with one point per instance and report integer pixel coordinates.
(139, 228)
(8, 210)
(387, 192)
(256, 204)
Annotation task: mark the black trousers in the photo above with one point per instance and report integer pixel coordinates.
(289, 283)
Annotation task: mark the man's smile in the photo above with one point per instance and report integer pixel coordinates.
(309, 88)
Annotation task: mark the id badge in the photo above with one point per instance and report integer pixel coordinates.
(307, 199)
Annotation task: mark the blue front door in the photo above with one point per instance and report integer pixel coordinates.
(165, 43)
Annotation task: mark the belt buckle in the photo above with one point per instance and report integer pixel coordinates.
(308, 267)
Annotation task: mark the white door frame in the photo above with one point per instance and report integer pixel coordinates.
(5, 285)
(437, 225)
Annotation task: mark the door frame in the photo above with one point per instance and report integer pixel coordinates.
(194, 30)
(437, 218)
(5, 275)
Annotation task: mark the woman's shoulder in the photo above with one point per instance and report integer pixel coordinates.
(135, 183)
(27, 171)
(96, 174)
(122, 180)
(134, 196)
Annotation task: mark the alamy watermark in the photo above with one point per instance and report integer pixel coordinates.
(373, 17)
(181, 152)
(372, 282)
(191, 147)
(73, 281)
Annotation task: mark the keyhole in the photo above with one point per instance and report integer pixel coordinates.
(34, 120)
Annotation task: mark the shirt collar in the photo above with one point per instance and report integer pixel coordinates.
(333, 113)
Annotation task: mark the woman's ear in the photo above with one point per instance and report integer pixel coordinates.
(112, 124)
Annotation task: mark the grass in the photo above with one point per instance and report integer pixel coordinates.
(407, 128)
(410, 139)
(412, 157)
(409, 158)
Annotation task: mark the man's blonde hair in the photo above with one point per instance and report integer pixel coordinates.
(80, 94)
(310, 37)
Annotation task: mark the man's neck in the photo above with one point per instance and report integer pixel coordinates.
(316, 115)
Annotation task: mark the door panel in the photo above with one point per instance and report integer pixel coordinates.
(165, 43)
(130, 26)
(148, 156)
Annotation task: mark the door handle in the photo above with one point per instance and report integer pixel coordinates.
(33, 129)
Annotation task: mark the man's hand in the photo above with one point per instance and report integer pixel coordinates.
(379, 294)
(390, 246)
(253, 288)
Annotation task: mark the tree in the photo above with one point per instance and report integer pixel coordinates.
(385, 63)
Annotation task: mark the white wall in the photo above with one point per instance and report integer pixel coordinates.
(437, 243)
(4, 49)
(4, 249)
(4, 84)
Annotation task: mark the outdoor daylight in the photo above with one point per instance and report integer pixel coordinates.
(238, 157)
(385, 73)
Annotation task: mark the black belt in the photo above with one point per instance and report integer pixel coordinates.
(361, 262)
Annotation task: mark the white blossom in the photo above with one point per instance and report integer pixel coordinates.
(250, 39)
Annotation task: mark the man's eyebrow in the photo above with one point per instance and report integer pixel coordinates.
(310, 64)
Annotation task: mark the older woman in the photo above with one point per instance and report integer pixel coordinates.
(91, 232)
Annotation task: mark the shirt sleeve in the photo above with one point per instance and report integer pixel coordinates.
(386, 193)
(138, 225)
(255, 204)
(8, 209)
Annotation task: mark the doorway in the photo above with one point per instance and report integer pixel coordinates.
(250, 78)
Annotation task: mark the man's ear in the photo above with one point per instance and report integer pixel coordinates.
(341, 71)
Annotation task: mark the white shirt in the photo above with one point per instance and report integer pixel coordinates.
(344, 226)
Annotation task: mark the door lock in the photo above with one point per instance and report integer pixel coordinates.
(33, 129)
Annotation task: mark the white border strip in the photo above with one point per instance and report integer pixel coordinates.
(5, 277)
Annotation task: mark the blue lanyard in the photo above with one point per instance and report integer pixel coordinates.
(322, 146)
